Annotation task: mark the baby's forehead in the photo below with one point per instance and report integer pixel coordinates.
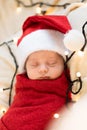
(44, 56)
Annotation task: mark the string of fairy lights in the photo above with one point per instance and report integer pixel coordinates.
(7, 44)
(39, 6)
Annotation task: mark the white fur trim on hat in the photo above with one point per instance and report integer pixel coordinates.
(43, 39)
(74, 40)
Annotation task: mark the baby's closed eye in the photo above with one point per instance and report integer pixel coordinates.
(53, 63)
(34, 64)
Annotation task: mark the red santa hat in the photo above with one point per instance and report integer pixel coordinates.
(42, 33)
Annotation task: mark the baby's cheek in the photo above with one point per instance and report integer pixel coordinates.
(57, 72)
(53, 73)
(33, 75)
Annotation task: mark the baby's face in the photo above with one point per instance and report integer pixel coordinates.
(44, 65)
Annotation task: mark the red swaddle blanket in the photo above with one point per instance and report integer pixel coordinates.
(35, 103)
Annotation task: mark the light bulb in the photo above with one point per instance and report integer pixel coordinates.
(56, 115)
(78, 74)
(15, 39)
(80, 53)
(1, 89)
(19, 9)
(38, 10)
(66, 53)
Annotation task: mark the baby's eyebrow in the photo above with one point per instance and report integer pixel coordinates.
(53, 58)
(32, 61)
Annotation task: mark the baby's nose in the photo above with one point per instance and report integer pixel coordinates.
(43, 69)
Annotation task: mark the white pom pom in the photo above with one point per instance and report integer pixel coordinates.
(74, 40)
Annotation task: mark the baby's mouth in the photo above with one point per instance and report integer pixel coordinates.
(45, 77)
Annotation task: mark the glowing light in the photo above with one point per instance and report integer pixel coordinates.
(1, 89)
(80, 53)
(66, 53)
(78, 74)
(76, 98)
(38, 10)
(56, 115)
(15, 39)
(19, 9)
